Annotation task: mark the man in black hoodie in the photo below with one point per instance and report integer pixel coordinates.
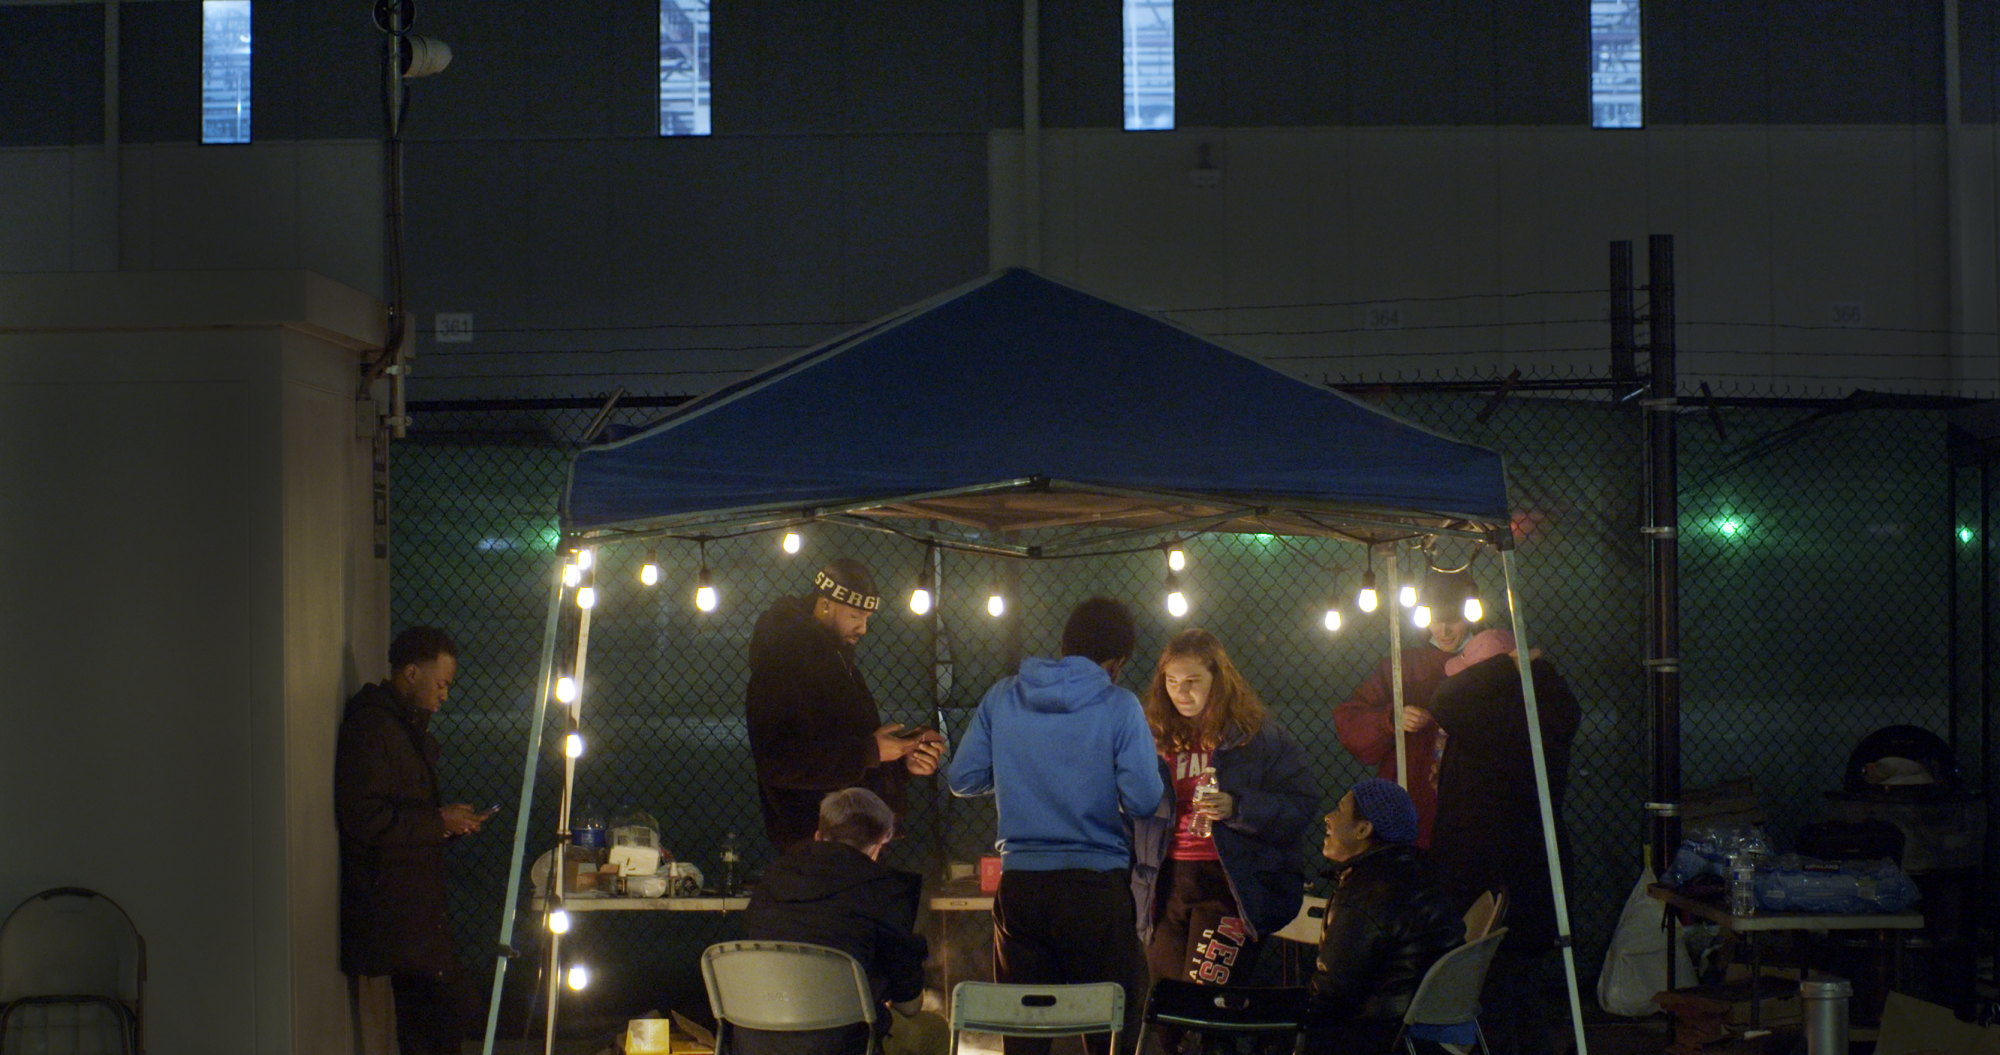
(832, 891)
(393, 831)
(812, 721)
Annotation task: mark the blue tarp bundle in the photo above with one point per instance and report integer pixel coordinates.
(1014, 377)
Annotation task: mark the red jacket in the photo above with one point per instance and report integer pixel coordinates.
(1366, 727)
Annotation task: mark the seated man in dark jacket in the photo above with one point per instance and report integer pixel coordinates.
(1391, 918)
(831, 891)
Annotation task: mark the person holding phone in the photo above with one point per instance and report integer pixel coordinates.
(395, 942)
(812, 722)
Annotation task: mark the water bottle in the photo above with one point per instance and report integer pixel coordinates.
(1199, 825)
(729, 855)
(1742, 885)
(586, 832)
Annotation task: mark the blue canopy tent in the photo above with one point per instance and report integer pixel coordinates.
(1018, 404)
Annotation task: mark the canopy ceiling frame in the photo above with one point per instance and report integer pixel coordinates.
(749, 459)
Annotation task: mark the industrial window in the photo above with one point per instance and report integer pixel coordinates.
(684, 67)
(1616, 87)
(1149, 64)
(225, 71)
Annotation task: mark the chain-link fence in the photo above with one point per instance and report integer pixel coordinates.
(1814, 576)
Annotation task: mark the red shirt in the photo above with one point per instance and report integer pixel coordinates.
(1186, 767)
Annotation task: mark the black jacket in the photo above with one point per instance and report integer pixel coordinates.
(1391, 918)
(1489, 831)
(392, 839)
(828, 893)
(812, 722)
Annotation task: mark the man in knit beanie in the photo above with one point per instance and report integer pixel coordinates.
(1391, 918)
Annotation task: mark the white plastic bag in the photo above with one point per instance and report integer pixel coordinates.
(1635, 968)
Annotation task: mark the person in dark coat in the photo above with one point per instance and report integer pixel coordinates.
(1365, 721)
(1489, 832)
(1206, 902)
(833, 891)
(1389, 919)
(393, 831)
(812, 721)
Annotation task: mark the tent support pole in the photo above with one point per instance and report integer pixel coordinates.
(1396, 670)
(1503, 540)
(543, 681)
(575, 726)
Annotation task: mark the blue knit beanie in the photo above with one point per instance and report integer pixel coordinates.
(1384, 804)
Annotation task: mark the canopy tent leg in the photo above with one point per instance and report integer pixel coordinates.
(1396, 671)
(574, 728)
(1504, 542)
(543, 683)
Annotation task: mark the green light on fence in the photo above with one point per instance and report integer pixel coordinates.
(549, 538)
(1729, 527)
(1734, 529)
(1965, 535)
(1263, 540)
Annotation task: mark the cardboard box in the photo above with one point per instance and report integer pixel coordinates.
(1916, 1027)
(673, 1035)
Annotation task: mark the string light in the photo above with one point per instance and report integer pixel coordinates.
(579, 976)
(791, 542)
(559, 922)
(1474, 611)
(583, 558)
(586, 597)
(572, 575)
(649, 572)
(1332, 619)
(704, 587)
(573, 745)
(996, 603)
(1367, 600)
(1407, 596)
(1421, 617)
(1177, 605)
(920, 598)
(1176, 557)
(565, 689)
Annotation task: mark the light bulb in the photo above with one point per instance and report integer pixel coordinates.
(565, 689)
(920, 601)
(559, 922)
(1366, 600)
(1474, 611)
(1332, 619)
(1177, 604)
(583, 559)
(579, 976)
(573, 745)
(572, 575)
(1421, 617)
(996, 605)
(1407, 596)
(649, 572)
(704, 591)
(1176, 558)
(791, 542)
(586, 597)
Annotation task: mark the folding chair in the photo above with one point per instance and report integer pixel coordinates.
(785, 987)
(72, 975)
(1485, 914)
(1304, 929)
(1037, 1010)
(1445, 1008)
(1226, 1009)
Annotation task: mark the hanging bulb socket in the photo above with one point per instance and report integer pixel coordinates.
(1177, 605)
(1176, 557)
(649, 572)
(1367, 600)
(921, 598)
(704, 592)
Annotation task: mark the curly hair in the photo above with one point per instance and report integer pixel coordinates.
(1234, 712)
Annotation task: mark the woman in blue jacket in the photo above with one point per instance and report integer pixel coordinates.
(1205, 902)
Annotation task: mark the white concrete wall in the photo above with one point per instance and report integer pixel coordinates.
(1464, 229)
(192, 598)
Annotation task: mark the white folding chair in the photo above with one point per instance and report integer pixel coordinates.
(1447, 1000)
(72, 973)
(1304, 930)
(1485, 914)
(1037, 1010)
(784, 986)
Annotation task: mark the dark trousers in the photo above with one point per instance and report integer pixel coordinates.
(1199, 937)
(431, 1012)
(1069, 925)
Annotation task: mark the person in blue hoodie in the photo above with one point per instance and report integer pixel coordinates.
(1207, 893)
(1069, 759)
